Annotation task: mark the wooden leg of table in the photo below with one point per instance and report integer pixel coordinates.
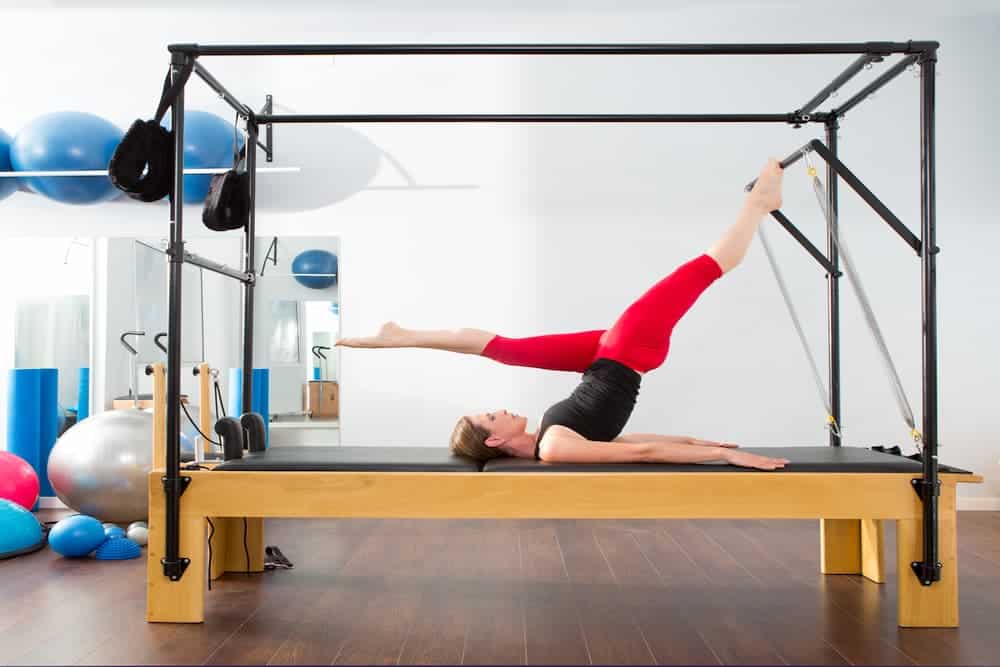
(176, 601)
(872, 550)
(840, 546)
(229, 551)
(934, 606)
(218, 544)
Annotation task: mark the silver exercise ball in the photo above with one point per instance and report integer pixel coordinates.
(101, 466)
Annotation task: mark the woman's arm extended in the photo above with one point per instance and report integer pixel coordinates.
(564, 446)
(464, 341)
(678, 439)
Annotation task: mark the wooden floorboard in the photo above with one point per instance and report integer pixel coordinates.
(510, 592)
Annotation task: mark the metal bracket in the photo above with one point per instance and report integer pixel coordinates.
(926, 573)
(182, 484)
(174, 570)
(920, 487)
(797, 119)
(175, 252)
(268, 144)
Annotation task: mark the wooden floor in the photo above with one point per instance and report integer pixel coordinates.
(509, 592)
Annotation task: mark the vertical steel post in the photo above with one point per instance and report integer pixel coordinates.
(833, 285)
(173, 484)
(930, 569)
(250, 269)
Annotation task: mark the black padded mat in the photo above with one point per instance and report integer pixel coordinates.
(440, 459)
(384, 459)
(803, 459)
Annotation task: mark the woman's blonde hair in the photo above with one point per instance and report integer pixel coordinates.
(470, 440)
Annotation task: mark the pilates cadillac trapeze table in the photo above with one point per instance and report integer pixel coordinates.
(850, 490)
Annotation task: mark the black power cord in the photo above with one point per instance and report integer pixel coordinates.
(193, 423)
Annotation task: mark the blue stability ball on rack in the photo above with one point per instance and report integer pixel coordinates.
(208, 143)
(67, 141)
(315, 269)
(8, 186)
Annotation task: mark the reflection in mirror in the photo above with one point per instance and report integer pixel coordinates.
(151, 311)
(135, 272)
(296, 322)
(54, 332)
(51, 313)
(297, 313)
(45, 344)
(284, 332)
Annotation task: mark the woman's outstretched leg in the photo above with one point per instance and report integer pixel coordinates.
(765, 197)
(556, 352)
(640, 338)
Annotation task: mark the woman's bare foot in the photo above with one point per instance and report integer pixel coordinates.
(389, 335)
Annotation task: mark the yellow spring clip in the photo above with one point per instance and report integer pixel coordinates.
(810, 169)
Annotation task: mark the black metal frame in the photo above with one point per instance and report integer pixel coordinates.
(921, 53)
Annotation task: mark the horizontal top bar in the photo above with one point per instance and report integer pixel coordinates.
(104, 172)
(265, 119)
(550, 49)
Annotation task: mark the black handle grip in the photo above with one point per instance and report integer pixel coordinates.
(256, 431)
(231, 432)
(124, 342)
(789, 161)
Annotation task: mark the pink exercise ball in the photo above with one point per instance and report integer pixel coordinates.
(18, 480)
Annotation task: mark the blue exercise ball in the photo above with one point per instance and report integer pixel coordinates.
(208, 143)
(76, 536)
(308, 263)
(8, 186)
(67, 141)
(20, 531)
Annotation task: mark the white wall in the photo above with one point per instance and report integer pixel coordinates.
(556, 228)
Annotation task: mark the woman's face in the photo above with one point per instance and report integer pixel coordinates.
(501, 423)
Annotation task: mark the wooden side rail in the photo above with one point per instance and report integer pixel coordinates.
(873, 497)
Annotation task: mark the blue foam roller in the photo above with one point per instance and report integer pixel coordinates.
(33, 419)
(261, 401)
(49, 432)
(83, 395)
(24, 414)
